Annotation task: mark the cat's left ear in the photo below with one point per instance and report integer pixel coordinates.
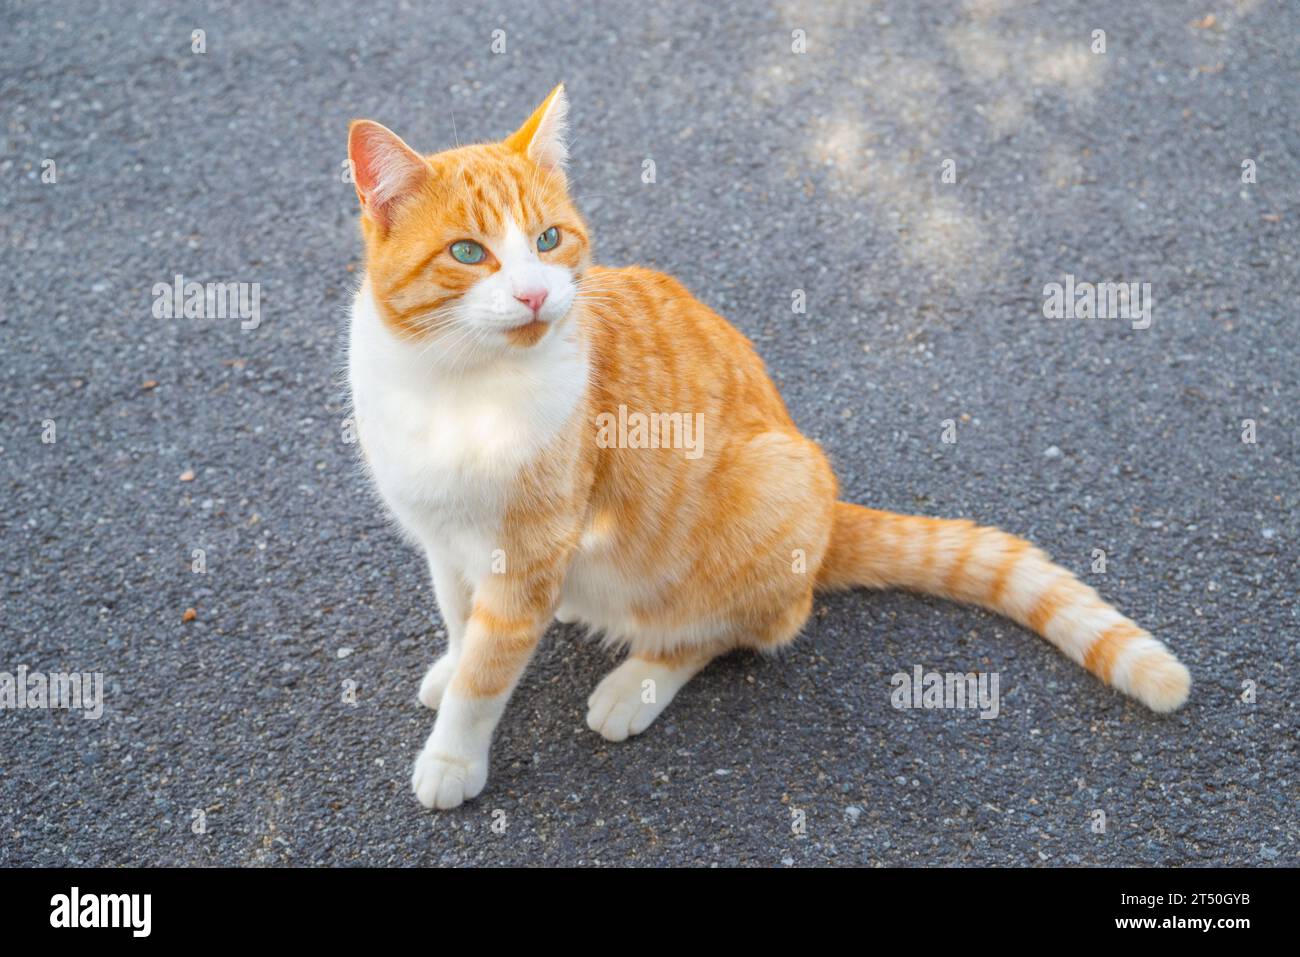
(542, 137)
(385, 170)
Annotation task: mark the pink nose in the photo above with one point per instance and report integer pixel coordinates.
(532, 299)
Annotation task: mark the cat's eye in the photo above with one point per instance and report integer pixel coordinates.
(548, 240)
(467, 252)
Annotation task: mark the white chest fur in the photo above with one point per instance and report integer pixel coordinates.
(444, 447)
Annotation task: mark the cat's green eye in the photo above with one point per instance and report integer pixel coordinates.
(548, 240)
(467, 252)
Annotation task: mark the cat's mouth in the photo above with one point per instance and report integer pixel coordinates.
(528, 334)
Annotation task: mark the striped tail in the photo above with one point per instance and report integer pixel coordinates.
(992, 569)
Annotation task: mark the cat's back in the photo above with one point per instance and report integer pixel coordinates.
(637, 300)
(653, 341)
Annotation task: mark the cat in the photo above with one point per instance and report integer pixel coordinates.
(484, 349)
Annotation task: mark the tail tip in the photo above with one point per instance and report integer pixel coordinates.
(1164, 684)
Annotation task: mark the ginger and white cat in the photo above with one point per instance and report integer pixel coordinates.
(484, 349)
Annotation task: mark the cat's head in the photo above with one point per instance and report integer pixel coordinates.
(478, 247)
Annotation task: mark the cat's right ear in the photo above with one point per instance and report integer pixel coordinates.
(384, 169)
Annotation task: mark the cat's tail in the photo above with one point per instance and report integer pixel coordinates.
(998, 571)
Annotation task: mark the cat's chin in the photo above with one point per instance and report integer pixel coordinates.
(527, 335)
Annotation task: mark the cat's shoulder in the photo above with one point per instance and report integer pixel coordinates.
(637, 279)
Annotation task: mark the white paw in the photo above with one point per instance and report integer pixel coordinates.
(630, 697)
(436, 680)
(445, 780)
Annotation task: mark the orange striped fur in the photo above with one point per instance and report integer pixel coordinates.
(998, 571)
(479, 422)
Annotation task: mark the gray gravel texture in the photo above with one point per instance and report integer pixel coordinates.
(776, 171)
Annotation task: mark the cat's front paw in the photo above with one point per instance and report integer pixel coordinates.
(446, 781)
(436, 680)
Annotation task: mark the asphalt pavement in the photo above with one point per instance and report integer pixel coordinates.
(920, 172)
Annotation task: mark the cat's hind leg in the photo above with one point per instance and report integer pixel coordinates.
(747, 572)
(631, 696)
